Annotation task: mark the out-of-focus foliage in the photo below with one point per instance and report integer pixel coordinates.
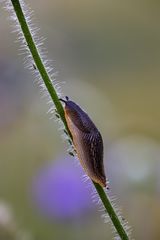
(108, 54)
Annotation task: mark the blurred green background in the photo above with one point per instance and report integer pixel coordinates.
(108, 55)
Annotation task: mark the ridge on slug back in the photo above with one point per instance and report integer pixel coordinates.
(87, 141)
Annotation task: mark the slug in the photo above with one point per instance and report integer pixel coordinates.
(87, 141)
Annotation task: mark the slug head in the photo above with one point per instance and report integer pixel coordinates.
(72, 110)
(78, 116)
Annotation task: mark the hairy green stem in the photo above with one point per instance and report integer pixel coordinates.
(110, 210)
(48, 83)
(37, 59)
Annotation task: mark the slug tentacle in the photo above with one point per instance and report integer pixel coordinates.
(87, 141)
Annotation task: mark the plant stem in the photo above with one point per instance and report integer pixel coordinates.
(37, 59)
(110, 210)
(48, 83)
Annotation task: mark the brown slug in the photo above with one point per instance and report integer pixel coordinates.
(87, 141)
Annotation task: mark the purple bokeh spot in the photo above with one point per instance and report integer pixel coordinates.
(59, 191)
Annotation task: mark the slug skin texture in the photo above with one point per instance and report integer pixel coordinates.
(87, 141)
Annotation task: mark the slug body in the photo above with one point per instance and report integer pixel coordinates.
(87, 141)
